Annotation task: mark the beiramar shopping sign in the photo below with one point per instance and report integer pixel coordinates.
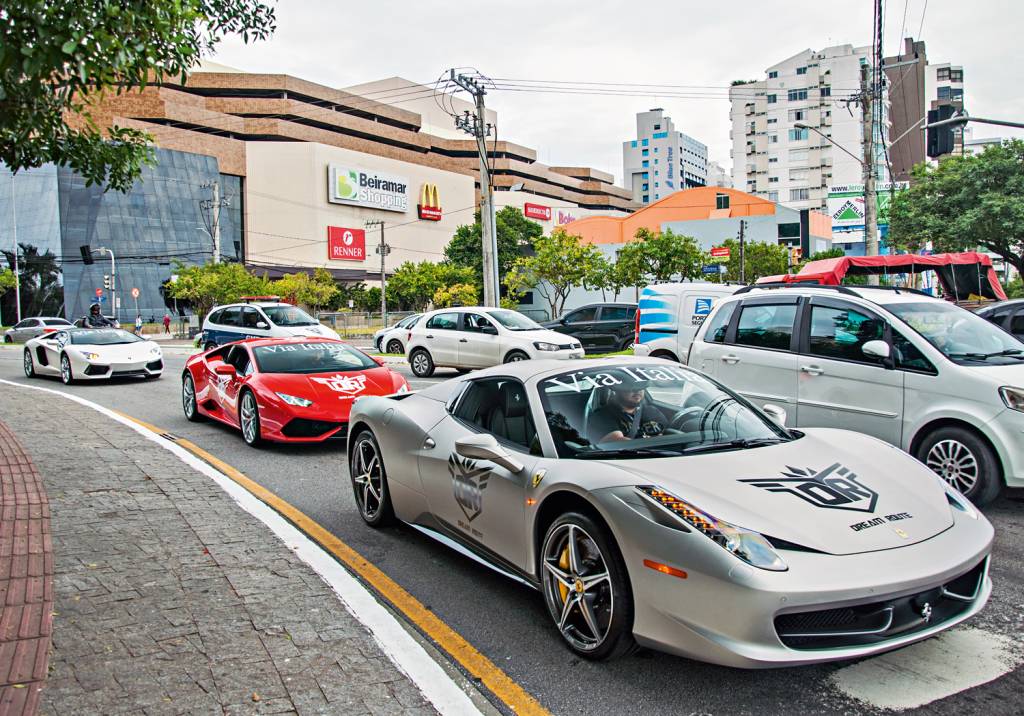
(362, 187)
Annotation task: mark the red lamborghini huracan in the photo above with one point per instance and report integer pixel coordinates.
(283, 389)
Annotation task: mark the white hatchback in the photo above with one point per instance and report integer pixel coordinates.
(473, 337)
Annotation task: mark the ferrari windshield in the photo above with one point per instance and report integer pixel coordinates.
(514, 321)
(288, 316)
(313, 357)
(962, 336)
(637, 410)
(102, 337)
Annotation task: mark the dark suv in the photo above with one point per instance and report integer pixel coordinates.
(600, 327)
(1008, 315)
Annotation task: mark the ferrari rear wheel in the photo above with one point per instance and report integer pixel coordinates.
(395, 346)
(422, 364)
(30, 366)
(249, 418)
(586, 589)
(369, 481)
(188, 400)
(66, 376)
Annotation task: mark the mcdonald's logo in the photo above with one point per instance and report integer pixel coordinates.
(429, 208)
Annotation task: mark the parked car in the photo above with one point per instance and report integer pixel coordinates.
(671, 313)
(259, 319)
(283, 389)
(916, 371)
(392, 339)
(32, 327)
(475, 337)
(600, 327)
(703, 528)
(1008, 315)
(79, 354)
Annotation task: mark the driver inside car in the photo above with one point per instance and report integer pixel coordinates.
(627, 414)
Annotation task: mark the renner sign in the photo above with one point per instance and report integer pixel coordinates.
(537, 211)
(361, 187)
(346, 244)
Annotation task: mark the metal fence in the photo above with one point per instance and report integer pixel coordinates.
(354, 324)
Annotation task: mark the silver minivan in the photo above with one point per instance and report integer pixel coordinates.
(912, 370)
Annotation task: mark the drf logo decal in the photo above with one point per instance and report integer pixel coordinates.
(702, 307)
(347, 384)
(469, 483)
(835, 487)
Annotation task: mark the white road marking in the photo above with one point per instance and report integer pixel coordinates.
(406, 653)
(930, 670)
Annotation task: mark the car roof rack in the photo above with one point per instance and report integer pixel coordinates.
(841, 289)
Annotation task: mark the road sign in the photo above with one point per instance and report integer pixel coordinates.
(720, 252)
(135, 293)
(99, 291)
(713, 269)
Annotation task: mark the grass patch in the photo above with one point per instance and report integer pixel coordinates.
(627, 352)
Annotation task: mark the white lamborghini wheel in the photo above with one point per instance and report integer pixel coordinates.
(29, 364)
(369, 481)
(66, 376)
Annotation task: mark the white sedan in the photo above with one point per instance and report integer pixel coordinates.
(92, 354)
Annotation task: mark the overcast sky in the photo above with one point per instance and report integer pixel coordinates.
(676, 42)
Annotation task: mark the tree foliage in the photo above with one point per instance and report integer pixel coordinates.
(314, 292)
(413, 285)
(759, 259)
(458, 294)
(204, 287)
(57, 59)
(7, 281)
(514, 233)
(658, 257)
(965, 203)
(559, 263)
(39, 282)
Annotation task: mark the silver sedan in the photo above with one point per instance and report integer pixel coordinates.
(33, 327)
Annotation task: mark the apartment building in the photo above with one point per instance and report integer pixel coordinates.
(661, 160)
(718, 175)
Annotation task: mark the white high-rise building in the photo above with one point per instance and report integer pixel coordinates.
(661, 160)
(793, 165)
(718, 176)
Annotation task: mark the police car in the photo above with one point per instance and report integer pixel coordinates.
(259, 317)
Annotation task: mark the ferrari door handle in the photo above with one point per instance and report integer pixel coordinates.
(730, 359)
(811, 369)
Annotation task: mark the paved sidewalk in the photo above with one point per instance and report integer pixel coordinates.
(169, 598)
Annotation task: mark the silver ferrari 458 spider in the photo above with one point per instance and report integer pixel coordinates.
(649, 505)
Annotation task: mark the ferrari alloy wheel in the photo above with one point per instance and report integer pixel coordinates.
(30, 366)
(188, 400)
(965, 461)
(516, 356)
(585, 588)
(395, 346)
(422, 364)
(66, 376)
(249, 417)
(369, 481)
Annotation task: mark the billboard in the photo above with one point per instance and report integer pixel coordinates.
(346, 244)
(537, 211)
(846, 206)
(362, 187)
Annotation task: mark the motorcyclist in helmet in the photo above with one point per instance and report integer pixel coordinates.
(95, 319)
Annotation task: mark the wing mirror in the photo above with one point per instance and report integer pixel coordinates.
(485, 447)
(489, 330)
(225, 369)
(262, 325)
(876, 349)
(776, 413)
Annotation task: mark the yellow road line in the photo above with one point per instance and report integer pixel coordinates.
(465, 654)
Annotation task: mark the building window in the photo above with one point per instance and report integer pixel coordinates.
(771, 99)
(795, 95)
(721, 201)
(657, 196)
(646, 198)
(633, 144)
(797, 135)
(943, 92)
(656, 184)
(655, 161)
(942, 74)
(645, 142)
(644, 175)
(801, 70)
(660, 135)
(773, 139)
(797, 115)
(773, 196)
(773, 74)
(798, 175)
(773, 180)
(789, 231)
(657, 127)
(645, 163)
(645, 187)
(957, 94)
(956, 75)
(797, 155)
(772, 120)
(655, 172)
(773, 160)
(799, 194)
(644, 152)
(826, 91)
(655, 150)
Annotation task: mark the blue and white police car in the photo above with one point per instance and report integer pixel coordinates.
(259, 317)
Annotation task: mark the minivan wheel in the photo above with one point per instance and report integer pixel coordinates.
(961, 458)
(422, 364)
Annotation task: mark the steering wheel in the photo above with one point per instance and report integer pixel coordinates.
(683, 415)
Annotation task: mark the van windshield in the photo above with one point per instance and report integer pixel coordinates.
(962, 336)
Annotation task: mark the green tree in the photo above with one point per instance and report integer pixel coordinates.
(559, 263)
(658, 257)
(39, 281)
(57, 59)
(204, 287)
(759, 259)
(7, 281)
(458, 294)
(300, 288)
(412, 287)
(965, 203)
(607, 276)
(514, 233)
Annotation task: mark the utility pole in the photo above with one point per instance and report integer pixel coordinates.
(867, 105)
(17, 272)
(382, 249)
(214, 206)
(477, 126)
(743, 268)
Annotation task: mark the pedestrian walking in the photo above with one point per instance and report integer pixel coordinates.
(138, 324)
(167, 323)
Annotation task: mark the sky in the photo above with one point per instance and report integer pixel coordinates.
(680, 42)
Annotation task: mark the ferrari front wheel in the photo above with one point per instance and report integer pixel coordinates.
(586, 588)
(188, 400)
(249, 418)
(369, 481)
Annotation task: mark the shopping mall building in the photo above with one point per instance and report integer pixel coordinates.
(307, 176)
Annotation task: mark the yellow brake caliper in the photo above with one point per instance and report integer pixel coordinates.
(563, 563)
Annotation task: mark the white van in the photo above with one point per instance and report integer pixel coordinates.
(671, 313)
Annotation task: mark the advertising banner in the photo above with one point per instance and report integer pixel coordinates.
(537, 211)
(362, 187)
(346, 244)
(846, 204)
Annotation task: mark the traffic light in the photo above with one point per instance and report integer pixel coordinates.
(86, 254)
(106, 281)
(940, 139)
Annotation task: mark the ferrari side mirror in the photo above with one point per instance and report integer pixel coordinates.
(777, 414)
(485, 447)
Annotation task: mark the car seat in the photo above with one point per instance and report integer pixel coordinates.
(510, 418)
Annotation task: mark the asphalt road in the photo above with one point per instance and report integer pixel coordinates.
(508, 622)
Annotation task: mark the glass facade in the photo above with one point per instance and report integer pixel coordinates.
(163, 220)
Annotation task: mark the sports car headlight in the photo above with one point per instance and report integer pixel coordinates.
(749, 546)
(90, 356)
(155, 350)
(1013, 397)
(542, 346)
(294, 400)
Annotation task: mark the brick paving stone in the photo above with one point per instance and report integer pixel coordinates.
(155, 592)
